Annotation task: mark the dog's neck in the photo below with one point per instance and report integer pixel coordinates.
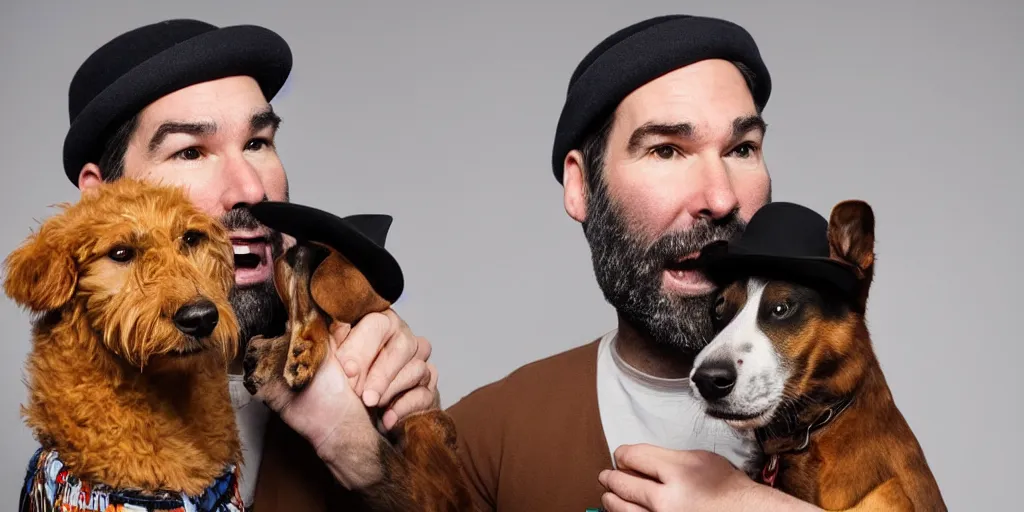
(801, 424)
(792, 430)
(99, 412)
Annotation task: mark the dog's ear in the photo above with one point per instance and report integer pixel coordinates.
(41, 274)
(851, 240)
(343, 292)
(851, 235)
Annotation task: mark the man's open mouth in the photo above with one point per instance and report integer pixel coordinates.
(249, 251)
(683, 263)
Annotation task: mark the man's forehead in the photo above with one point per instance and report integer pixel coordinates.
(711, 92)
(219, 102)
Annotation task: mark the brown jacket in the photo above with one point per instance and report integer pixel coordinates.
(292, 478)
(531, 441)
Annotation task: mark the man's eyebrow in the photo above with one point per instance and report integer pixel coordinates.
(264, 119)
(170, 127)
(681, 130)
(744, 125)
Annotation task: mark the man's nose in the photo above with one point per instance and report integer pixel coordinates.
(244, 184)
(716, 199)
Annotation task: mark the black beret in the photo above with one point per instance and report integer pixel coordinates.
(640, 53)
(142, 65)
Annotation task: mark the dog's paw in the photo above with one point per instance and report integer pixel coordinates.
(299, 369)
(305, 354)
(264, 359)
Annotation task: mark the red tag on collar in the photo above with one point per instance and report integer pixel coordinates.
(770, 471)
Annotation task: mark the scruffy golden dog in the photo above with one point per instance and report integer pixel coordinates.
(132, 333)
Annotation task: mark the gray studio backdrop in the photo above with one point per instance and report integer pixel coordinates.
(442, 114)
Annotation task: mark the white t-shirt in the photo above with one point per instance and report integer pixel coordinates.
(251, 416)
(638, 408)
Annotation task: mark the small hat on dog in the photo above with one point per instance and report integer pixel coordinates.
(359, 238)
(640, 53)
(140, 66)
(783, 241)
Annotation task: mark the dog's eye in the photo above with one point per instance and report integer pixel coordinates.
(719, 310)
(782, 310)
(192, 238)
(121, 254)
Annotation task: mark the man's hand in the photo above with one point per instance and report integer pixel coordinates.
(652, 479)
(378, 358)
(387, 366)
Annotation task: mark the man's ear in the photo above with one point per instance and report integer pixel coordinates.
(343, 292)
(89, 178)
(41, 274)
(851, 235)
(574, 184)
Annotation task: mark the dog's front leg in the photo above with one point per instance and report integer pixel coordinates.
(310, 335)
(888, 497)
(296, 355)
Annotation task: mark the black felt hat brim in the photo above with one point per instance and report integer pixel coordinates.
(359, 238)
(242, 50)
(723, 262)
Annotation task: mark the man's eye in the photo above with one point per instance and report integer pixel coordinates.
(664, 152)
(256, 144)
(188, 154)
(745, 150)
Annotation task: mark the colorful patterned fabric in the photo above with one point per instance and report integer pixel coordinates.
(49, 487)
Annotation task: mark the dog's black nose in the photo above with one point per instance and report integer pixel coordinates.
(197, 319)
(715, 379)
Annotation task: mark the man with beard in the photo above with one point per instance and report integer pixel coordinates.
(658, 148)
(183, 102)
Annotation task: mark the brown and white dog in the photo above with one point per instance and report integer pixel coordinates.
(335, 273)
(793, 365)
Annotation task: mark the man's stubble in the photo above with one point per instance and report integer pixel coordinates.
(629, 271)
(259, 309)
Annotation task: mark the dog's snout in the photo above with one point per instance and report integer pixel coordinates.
(715, 379)
(197, 319)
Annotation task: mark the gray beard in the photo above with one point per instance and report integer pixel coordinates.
(259, 309)
(629, 272)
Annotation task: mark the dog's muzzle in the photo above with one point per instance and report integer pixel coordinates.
(197, 319)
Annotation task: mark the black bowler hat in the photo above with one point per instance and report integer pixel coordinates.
(640, 53)
(782, 241)
(359, 238)
(142, 65)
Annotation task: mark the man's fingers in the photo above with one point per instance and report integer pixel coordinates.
(638, 458)
(339, 332)
(628, 487)
(415, 400)
(423, 348)
(612, 503)
(360, 348)
(399, 351)
(416, 373)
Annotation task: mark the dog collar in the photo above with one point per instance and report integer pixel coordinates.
(49, 485)
(796, 441)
